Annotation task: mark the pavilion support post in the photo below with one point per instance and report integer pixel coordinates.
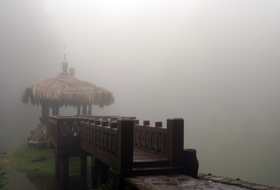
(89, 109)
(45, 112)
(83, 171)
(79, 110)
(84, 112)
(175, 141)
(55, 110)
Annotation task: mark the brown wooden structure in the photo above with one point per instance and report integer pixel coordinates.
(122, 145)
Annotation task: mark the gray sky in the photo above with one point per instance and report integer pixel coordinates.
(213, 63)
(203, 54)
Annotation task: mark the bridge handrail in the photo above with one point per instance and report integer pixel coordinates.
(112, 142)
(168, 142)
(63, 130)
(112, 145)
(151, 139)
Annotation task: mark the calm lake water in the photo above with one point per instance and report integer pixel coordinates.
(236, 153)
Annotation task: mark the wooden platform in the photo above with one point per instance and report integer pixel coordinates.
(144, 156)
(144, 159)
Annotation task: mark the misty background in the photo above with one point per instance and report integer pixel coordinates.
(213, 63)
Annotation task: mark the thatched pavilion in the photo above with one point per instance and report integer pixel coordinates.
(66, 90)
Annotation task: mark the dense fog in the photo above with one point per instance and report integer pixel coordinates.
(213, 63)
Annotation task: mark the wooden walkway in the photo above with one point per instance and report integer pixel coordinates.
(121, 145)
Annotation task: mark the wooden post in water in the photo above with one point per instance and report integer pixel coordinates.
(175, 141)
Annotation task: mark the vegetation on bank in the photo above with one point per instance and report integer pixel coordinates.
(41, 162)
(38, 161)
(3, 177)
(23, 159)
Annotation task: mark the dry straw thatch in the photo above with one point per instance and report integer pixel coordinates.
(67, 90)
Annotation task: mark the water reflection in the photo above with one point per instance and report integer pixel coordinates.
(18, 180)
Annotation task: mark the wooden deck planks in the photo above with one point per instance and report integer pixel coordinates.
(144, 156)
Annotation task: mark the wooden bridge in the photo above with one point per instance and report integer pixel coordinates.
(119, 144)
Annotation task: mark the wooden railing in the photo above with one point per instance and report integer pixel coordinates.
(65, 132)
(111, 139)
(167, 142)
(112, 143)
(153, 139)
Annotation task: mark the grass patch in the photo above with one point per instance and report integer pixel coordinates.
(21, 158)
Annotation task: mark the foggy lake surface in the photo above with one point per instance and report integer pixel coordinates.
(213, 63)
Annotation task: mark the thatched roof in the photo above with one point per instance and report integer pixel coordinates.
(67, 90)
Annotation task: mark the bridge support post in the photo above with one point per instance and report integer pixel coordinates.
(83, 171)
(175, 141)
(57, 166)
(94, 173)
(118, 180)
(99, 173)
(64, 172)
